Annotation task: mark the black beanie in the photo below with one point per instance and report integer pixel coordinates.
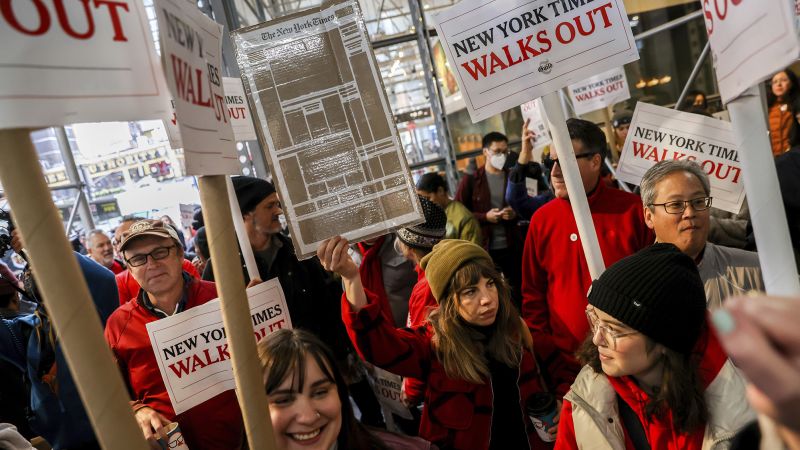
(250, 191)
(428, 233)
(658, 292)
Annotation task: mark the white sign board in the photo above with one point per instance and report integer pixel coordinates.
(192, 348)
(534, 111)
(78, 61)
(191, 47)
(658, 134)
(750, 40)
(238, 109)
(507, 52)
(599, 91)
(388, 389)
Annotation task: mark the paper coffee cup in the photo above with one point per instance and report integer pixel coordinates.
(174, 440)
(541, 429)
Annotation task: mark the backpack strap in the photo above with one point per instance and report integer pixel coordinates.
(632, 424)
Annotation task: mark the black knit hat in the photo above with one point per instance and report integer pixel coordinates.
(622, 117)
(658, 292)
(428, 233)
(250, 191)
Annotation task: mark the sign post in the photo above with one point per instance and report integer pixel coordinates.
(572, 177)
(64, 290)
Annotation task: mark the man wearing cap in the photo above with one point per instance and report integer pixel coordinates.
(676, 196)
(99, 248)
(461, 224)
(127, 286)
(154, 256)
(621, 123)
(555, 274)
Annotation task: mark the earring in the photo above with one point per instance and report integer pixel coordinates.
(318, 415)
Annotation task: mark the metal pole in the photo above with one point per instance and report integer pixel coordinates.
(693, 75)
(434, 93)
(669, 25)
(613, 171)
(74, 176)
(72, 213)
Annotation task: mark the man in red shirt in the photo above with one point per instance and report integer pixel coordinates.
(555, 275)
(154, 256)
(99, 248)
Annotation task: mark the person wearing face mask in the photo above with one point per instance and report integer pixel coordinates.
(555, 273)
(483, 193)
(655, 375)
(308, 399)
(474, 353)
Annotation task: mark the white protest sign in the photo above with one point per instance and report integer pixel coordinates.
(192, 50)
(599, 91)
(658, 134)
(239, 111)
(388, 388)
(192, 349)
(77, 61)
(173, 133)
(526, 49)
(750, 40)
(533, 110)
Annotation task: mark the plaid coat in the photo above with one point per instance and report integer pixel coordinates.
(457, 413)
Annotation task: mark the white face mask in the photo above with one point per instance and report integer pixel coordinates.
(498, 161)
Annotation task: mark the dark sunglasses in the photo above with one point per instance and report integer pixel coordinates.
(550, 163)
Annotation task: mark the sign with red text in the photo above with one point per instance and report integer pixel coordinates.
(191, 347)
(65, 62)
(239, 111)
(658, 134)
(534, 111)
(388, 389)
(507, 52)
(599, 91)
(750, 41)
(191, 50)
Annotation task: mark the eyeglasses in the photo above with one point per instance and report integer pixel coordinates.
(157, 254)
(550, 163)
(609, 336)
(679, 206)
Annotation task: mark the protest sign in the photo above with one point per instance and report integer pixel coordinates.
(67, 62)
(599, 91)
(533, 110)
(333, 148)
(239, 111)
(192, 348)
(526, 49)
(191, 47)
(173, 133)
(388, 389)
(749, 41)
(658, 134)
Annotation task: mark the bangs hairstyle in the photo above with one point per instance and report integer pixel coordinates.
(681, 389)
(460, 348)
(283, 354)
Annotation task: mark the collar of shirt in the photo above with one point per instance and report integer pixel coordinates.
(144, 300)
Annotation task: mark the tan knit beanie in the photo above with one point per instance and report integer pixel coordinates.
(445, 259)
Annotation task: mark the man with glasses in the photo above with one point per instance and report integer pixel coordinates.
(676, 196)
(484, 194)
(555, 275)
(154, 256)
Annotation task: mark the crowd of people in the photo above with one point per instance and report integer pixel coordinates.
(487, 309)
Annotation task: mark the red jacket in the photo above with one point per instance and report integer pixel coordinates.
(457, 414)
(660, 431)
(421, 303)
(473, 192)
(555, 275)
(128, 288)
(214, 424)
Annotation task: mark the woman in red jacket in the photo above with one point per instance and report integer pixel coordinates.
(655, 376)
(474, 353)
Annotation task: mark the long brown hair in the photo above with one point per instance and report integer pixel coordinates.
(460, 349)
(283, 354)
(681, 389)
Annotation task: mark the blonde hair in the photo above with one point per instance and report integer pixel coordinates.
(460, 349)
